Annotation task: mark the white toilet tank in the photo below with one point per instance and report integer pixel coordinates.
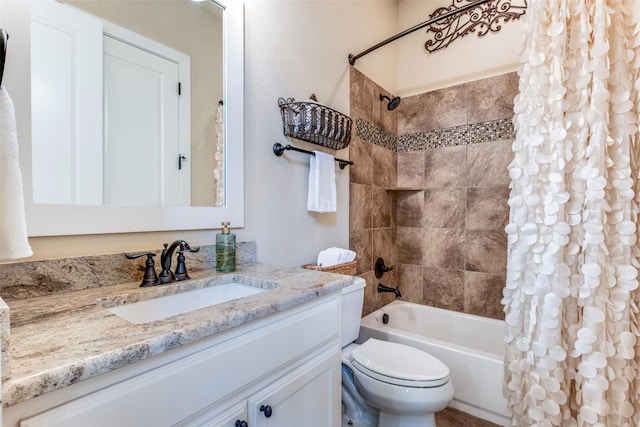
(352, 300)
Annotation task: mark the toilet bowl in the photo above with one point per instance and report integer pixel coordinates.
(406, 385)
(388, 384)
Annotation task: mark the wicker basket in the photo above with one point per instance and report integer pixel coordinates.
(348, 268)
(313, 122)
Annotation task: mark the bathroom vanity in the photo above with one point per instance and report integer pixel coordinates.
(271, 358)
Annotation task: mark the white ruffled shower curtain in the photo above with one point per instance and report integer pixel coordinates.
(571, 297)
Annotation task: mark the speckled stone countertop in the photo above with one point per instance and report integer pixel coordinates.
(65, 337)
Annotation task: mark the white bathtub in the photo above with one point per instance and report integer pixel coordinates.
(471, 346)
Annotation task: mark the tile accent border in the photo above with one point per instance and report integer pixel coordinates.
(474, 133)
(371, 133)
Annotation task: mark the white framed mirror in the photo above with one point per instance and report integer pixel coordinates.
(49, 216)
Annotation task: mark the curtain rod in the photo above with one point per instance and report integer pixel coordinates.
(353, 58)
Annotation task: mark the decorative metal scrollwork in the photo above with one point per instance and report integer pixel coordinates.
(484, 18)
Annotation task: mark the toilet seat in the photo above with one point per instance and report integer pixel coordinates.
(399, 364)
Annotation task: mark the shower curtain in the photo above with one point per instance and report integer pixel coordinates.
(571, 297)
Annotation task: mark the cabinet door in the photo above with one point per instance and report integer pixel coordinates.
(309, 396)
(215, 417)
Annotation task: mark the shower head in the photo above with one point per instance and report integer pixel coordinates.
(393, 102)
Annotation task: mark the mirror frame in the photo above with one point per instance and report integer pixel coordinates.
(58, 220)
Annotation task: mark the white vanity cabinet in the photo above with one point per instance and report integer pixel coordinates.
(299, 400)
(288, 362)
(305, 397)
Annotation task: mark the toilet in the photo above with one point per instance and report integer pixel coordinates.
(387, 384)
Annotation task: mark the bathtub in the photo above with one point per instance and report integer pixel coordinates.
(471, 346)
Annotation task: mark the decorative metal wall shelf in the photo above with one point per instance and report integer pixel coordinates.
(316, 123)
(483, 18)
(462, 17)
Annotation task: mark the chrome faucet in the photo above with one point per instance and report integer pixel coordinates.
(383, 288)
(166, 275)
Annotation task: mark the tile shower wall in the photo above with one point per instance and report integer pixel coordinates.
(451, 153)
(372, 209)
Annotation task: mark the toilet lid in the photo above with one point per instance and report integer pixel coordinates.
(399, 364)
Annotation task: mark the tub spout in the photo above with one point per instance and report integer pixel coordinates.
(383, 288)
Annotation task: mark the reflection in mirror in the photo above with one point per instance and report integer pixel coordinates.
(55, 219)
(114, 119)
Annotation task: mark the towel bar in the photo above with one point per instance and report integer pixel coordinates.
(279, 149)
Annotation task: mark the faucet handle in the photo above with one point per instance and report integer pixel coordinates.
(380, 268)
(181, 268)
(150, 277)
(134, 256)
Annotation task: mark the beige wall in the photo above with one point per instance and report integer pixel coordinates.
(293, 49)
(466, 59)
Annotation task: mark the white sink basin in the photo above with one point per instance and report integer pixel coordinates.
(172, 305)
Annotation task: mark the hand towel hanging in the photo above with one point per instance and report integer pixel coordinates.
(13, 227)
(322, 183)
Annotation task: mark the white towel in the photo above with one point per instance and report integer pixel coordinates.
(322, 183)
(13, 226)
(334, 256)
(327, 258)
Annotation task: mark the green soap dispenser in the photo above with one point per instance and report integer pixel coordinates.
(225, 250)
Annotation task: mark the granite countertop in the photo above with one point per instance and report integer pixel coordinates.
(66, 337)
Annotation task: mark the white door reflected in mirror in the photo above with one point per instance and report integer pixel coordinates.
(222, 61)
(142, 143)
(111, 111)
